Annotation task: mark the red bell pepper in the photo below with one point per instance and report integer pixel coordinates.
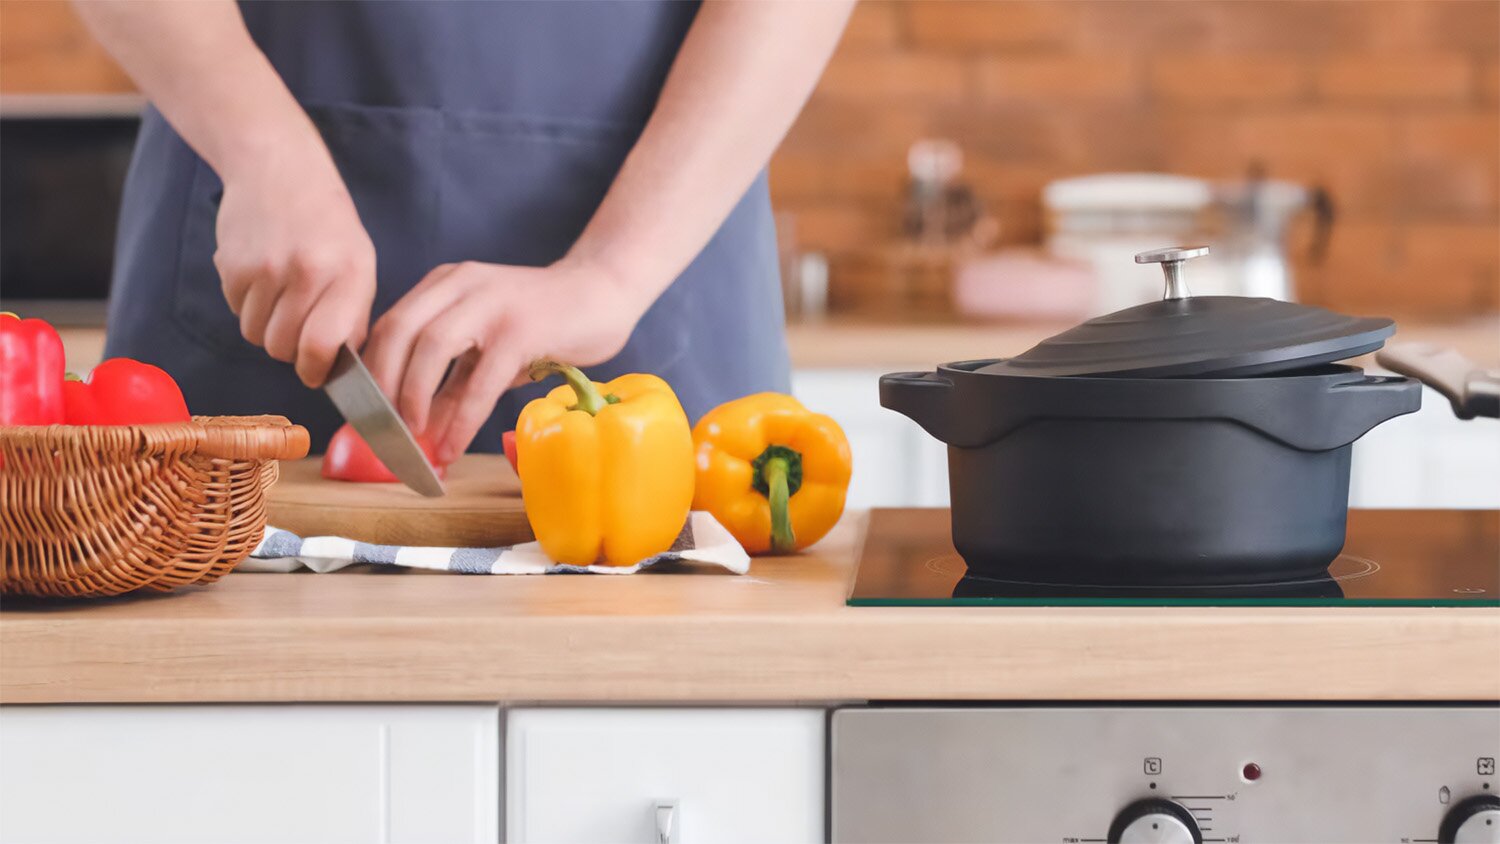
(79, 407)
(31, 372)
(508, 441)
(121, 391)
(350, 458)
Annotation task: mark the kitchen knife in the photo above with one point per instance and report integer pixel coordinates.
(356, 395)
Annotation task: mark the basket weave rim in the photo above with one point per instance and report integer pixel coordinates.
(226, 437)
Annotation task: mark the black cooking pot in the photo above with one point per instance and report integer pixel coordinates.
(1195, 440)
(1125, 480)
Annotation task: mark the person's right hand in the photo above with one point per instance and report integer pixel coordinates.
(297, 266)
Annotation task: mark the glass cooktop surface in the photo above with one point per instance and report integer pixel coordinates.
(1419, 558)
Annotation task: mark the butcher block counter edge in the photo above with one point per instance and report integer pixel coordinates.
(848, 342)
(780, 634)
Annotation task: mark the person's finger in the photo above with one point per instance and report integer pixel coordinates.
(436, 275)
(441, 342)
(357, 317)
(340, 315)
(390, 342)
(290, 318)
(464, 409)
(312, 275)
(236, 281)
(255, 311)
(452, 390)
(331, 321)
(360, 329)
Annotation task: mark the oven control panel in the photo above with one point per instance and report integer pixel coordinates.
(1192, 774)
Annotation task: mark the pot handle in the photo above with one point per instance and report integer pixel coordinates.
(924, 397)
(1471, 390)
(1355, 406)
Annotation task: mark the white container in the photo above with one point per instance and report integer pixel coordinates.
(1104, 220)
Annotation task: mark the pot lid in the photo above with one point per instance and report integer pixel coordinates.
(1221, 336)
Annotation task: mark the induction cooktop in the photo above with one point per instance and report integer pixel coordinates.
(1417, 558)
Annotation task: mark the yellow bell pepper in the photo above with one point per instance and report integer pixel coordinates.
(772, 472)
(606, 469)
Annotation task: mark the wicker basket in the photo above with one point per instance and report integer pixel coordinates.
(91, 511)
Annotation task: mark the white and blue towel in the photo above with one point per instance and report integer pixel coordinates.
(703, 540)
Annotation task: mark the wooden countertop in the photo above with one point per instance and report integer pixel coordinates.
(780, 634)
(857, 343)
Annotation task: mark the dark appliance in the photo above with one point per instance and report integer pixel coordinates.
(62, 169)
(1195, 440)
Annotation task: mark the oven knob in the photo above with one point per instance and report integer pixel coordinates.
(1475, 820)
(1154, 821)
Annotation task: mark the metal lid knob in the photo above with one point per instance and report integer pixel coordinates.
(1171, 260)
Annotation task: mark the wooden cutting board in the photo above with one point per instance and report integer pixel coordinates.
(482, 508)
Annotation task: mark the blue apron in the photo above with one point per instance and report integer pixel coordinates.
(464, 131)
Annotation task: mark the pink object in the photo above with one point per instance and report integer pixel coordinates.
(1024, 284)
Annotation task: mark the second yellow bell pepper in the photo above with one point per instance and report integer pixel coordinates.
(606, 469)
(772, 472)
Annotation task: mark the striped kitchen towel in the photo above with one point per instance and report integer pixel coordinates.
(703, 540)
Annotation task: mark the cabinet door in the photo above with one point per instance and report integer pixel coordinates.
(896, 463)
(598, 775)
(1429, 459)
(230, 774)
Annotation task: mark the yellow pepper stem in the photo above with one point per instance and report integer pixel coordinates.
(783, 539)
(590, 400)
(778, 476)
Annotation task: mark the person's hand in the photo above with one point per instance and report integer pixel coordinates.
(491, 321)
(297, 266)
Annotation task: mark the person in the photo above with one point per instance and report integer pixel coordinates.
(493, 182)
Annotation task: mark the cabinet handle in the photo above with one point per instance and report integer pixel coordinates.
(666, 821)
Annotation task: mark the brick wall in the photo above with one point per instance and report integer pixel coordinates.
(1392, 105)
(45, 50)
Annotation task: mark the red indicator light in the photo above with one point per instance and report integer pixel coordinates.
(1251, 772)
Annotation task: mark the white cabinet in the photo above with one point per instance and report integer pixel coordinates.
(208, 774)
(597, 775)
(1430, 458)
(896, 463)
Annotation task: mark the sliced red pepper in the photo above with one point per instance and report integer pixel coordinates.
(350, 458)
(31, 372)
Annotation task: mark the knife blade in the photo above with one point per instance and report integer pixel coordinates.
(358, 398)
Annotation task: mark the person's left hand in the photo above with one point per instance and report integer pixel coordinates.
(491, 321)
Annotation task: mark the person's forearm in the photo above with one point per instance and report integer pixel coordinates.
(197, 63)
(741, 77)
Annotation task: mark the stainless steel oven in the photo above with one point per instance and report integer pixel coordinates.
(1190, 773)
